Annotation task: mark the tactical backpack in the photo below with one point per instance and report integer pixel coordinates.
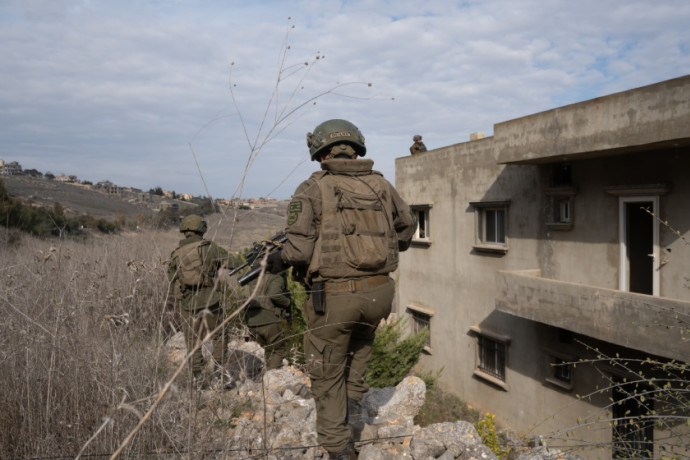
(357, 237)
(191, 269)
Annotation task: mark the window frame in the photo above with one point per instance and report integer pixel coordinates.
(424, 240)
(413, 310)
(558, 198)
(552, 366)
(480, 212)
(480, 370)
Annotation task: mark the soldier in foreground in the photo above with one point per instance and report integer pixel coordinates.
(346, 224)
(192, 273)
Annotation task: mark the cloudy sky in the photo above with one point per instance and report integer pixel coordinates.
(195, 95)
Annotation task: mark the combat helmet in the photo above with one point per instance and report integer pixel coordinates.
(417, 137)
(193, 223)
(333, 132)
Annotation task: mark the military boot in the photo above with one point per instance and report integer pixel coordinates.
(345, 454)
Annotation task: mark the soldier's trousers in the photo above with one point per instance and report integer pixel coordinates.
(337, 347)
(196, 325)
(272, 338)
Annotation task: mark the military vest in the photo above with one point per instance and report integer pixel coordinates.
(191, 269)
(261, 310)
(357, 237)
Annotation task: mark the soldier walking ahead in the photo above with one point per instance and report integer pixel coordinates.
(346, 224)
(263, 317)
(192, 272)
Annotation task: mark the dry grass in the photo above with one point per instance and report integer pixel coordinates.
(440, 407)
(81, 344)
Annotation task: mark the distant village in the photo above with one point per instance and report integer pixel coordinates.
(157, 198)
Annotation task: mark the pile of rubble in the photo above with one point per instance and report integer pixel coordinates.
(278, 419)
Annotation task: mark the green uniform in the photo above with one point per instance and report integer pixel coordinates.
(263, 318)
(201, 305)
(326, 243)
(417, 147)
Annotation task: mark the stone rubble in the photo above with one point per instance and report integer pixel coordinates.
(281, 419)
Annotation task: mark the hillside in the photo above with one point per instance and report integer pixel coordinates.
(77, 199)
(234, 229)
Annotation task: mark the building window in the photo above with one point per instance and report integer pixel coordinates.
(420, 319)
(491, 226)
(423, 233)
(560, 370)
(560, 214)
(491, 357)
(563, 371)
(563, 210)
(562, 175)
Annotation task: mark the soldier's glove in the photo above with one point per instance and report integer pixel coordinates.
(274, 263)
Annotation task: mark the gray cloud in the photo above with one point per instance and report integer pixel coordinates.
(119, 90)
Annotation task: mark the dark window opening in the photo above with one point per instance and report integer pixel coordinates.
(565, 336)
(562, 370)
(562, 175)
(492, 357)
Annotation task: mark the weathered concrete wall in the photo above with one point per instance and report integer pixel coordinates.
(457, 284)
(589, 253)
(655, 113)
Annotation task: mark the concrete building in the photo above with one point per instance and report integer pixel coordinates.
(109, 187)
(10, 169)
(144, 197)
(551, 248)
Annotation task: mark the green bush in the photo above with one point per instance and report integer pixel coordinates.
(107, 226)
(486, 427)
(392, 359)
(42, 222)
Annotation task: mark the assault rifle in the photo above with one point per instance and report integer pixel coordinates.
(256, 254)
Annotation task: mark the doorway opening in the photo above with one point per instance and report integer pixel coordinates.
(639, 240)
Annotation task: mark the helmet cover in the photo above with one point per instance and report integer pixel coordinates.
(193, 223)
(333, 132)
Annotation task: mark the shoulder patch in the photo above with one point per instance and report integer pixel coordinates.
(295, 206)
(293, 211)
